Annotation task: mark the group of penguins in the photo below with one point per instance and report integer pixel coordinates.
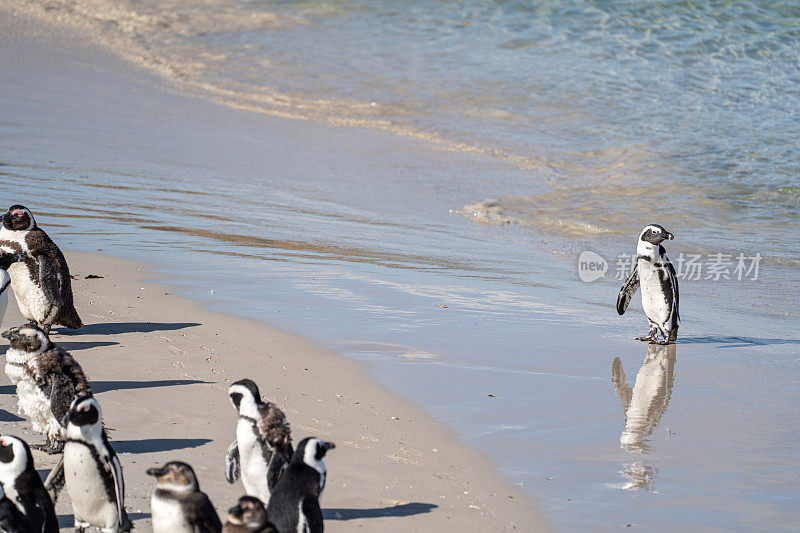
(282, 484)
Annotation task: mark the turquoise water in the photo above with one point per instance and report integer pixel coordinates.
(539, 131)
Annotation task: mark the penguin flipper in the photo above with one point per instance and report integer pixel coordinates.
(206, 520)
(55, 480)
(623, 390)
(280, 458)
(232, 462)
(627, 291)
(310, 508)
(119, 491)
(50, 280)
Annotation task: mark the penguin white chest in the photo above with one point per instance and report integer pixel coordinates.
(15, 361)
(654, 301)
(253, 464)
(86, 487)
(30, 297)
(168, 517)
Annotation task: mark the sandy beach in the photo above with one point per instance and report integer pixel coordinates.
(419, 302)
(160, 366)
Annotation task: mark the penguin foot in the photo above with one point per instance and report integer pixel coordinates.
(80, 527)
(51, 448)
(647, 338)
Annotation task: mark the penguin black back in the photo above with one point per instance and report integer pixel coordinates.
(294, 505)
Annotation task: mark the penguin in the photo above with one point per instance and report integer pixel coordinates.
(23, 486)
(177, 505)
(11, 519)
(646, 402)
(248, 516)
(41, 283)
(659, 283)
(263, 444)
(294, 505)
(92, 471)
(47, 379)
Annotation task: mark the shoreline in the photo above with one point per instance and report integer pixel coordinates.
(394, 467)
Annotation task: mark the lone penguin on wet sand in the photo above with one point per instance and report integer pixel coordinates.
(177, 505)
(248, 516)
(23, 486)
(294, 505)
(263, 444)
(656, 275)
(41, 282)
(92, 471)
(47, 379)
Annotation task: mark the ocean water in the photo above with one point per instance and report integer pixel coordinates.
(550, 128)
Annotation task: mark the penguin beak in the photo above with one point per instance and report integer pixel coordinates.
(670, 236)
(328, 446)
(157, 472)
(10, 334)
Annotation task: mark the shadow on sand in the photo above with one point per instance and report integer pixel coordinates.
(105, 386)
(110, 328)
(735, 342)
(7, 416)
(405, 509)
(156, 445)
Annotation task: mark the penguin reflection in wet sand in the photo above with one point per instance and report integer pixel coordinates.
(248, 516)
(23, 486)
(92, 471)
(646, 402)
(47, 379)
(659, 283)
(177, 505)
(263, 444)
(41, 283)
(294, 505)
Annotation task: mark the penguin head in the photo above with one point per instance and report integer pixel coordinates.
(84, 416)
(28, 338)
(249, 512)
(311, 450)
(175, 476)
(15, 458)
(655, 234)
(245, 397)
(18, 218)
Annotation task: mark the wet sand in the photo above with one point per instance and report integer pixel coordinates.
(160, 366)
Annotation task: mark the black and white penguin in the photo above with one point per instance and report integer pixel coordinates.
(47, 379)
(92, 471)
(248, 516)
(294, 505)
(11, 519)
(41, 283)
(659, 283)
(263, 442)
(23, 486)
(177, 505)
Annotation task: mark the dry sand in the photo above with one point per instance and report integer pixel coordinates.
(160, 366)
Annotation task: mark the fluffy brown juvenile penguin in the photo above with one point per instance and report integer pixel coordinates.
(41, 282)
(248, 516)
